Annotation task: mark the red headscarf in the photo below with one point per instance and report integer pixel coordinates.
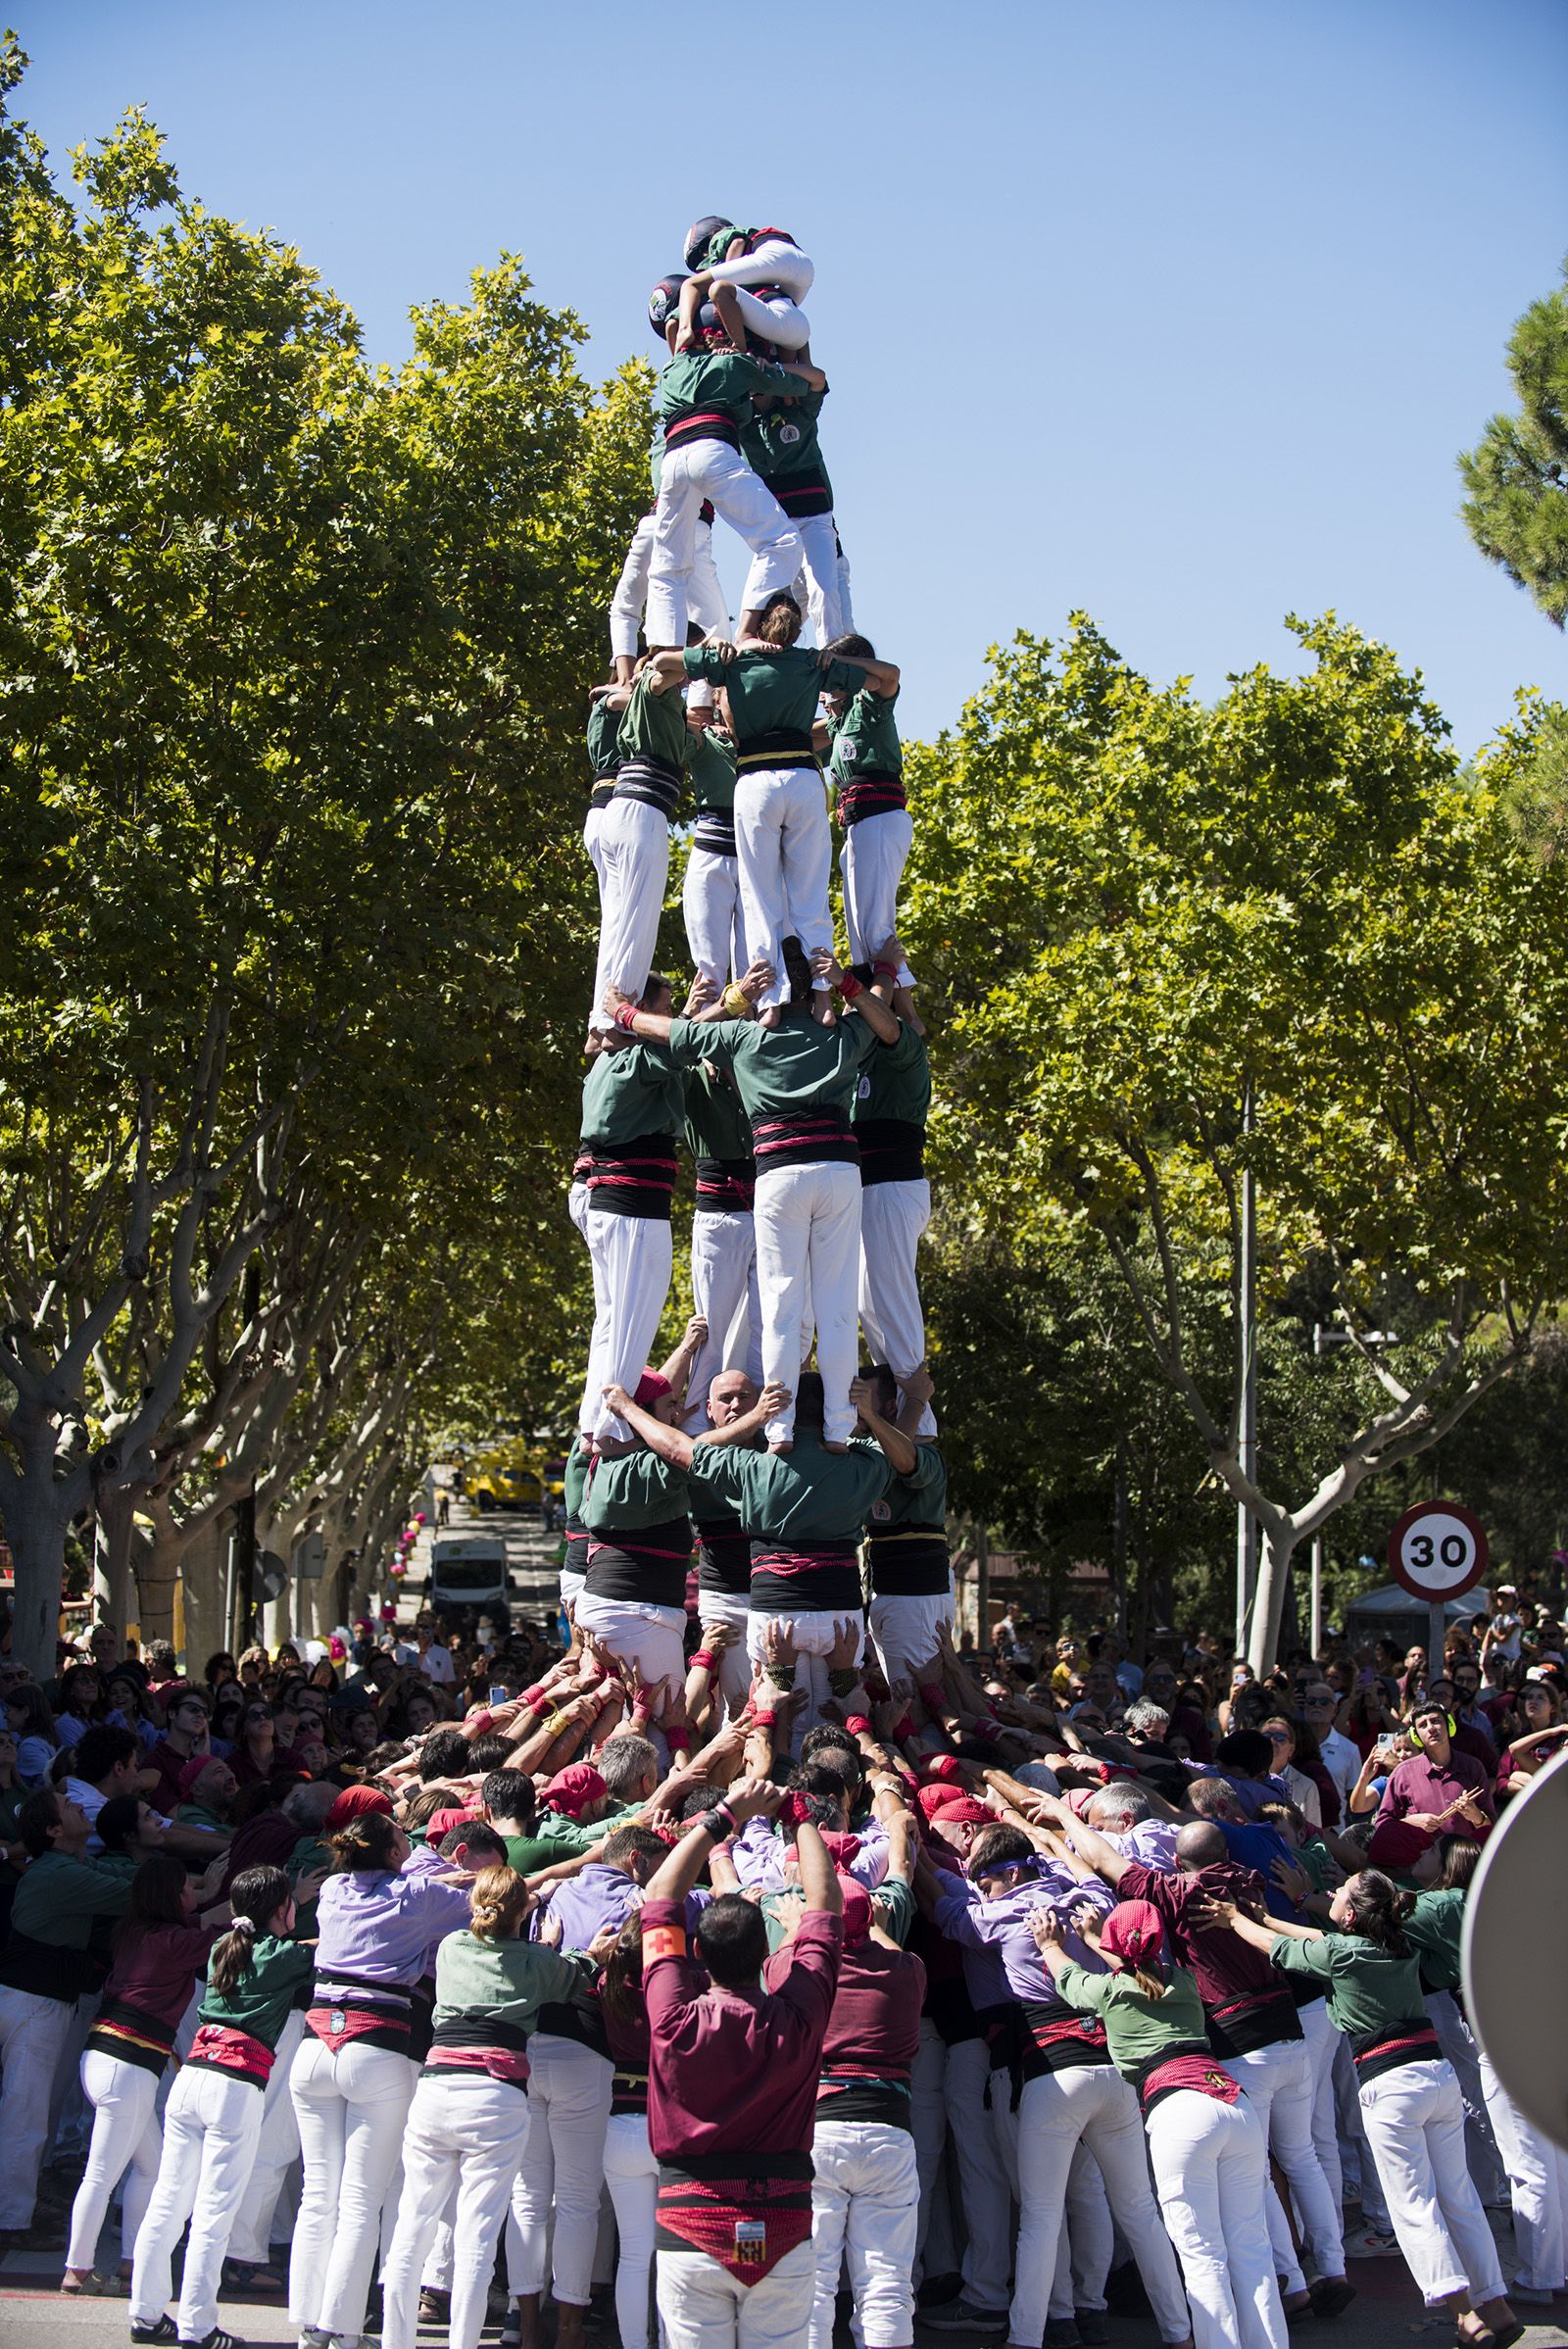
(857, 1913)
(1133, 1933)
(1396, 1844)
(441, 1822)
(573, 1788)
(652, 1388)
(353, 1802)
(953, 1807)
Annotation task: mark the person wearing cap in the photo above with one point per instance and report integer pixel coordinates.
(1435, 1787)
(632, 1110)
(207, 1790)
(755, 278)
(1505, 1635)
(637, 1509)
(734, 2067)
(1070, 2093)
(704, 400)
(795, 1080)
(782, 843)
(1253, 2025)
(1206, 2146)
(865, 2191)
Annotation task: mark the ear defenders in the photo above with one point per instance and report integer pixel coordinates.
(1416, 1734)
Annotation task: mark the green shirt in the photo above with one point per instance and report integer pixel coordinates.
(653, 725)
(798, 1498)
(631, 1090)
(919, 1499)
(59, 1899)
(865, 738)
(774, 691)
(261, 1999)
(1139, 2029)
(555, 1838)
(711, 758)
(895, 1081)
(781, 445)
(191, 1814)
(509, 1980)
(716, 1125)
(786, 1070)
(604, 729)
(636, 1489)
(722, 382)
(893, 1905)
(1432, 1929)
(1368, 1992)
(574, 1481)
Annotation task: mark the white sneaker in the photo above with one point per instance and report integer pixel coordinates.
(1368, 2243)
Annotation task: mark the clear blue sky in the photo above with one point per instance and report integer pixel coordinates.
(1177, 312)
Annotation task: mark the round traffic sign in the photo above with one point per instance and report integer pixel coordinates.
(1438, 1550)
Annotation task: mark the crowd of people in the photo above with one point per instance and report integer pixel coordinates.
(763, 1938)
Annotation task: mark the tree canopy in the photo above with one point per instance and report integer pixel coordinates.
(1516, 476)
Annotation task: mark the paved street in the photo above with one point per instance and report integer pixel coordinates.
(532, 1557)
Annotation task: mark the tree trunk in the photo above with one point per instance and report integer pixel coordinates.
(202, 1573)
(1268, 1609)
(111, 1559)
(36, 1533)
(157, 1574)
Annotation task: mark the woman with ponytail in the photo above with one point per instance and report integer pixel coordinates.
(353, 2075)
(468, 2121)
(158, 1949)
(1206, 2144)
(1411, 2108)
(214, 2116)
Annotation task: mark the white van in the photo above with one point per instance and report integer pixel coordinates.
(467, 1570)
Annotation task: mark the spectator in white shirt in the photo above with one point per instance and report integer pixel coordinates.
(1341, 1757)
(434, 1660)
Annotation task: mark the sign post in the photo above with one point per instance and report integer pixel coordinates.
(1438, 1551)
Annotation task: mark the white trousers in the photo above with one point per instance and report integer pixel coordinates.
(893, 1217)
(1414, 2119)
(702, 2305)
(562, 2167)
(1322, 2044)
(710, 901)
(825, 578)
(734, 1681)
(872, 864)
(987, 2211)
(351, 2109)
(651, 1637)
(125, 2135)
(906, 1631)
(703, 595)
(1088, 2243)
(1093, 2104)
(1281, 2084)
(210, 2126)
(725, 1292)
(1481, 2145)
(783, 854)
(592, 823)
(465, 2137)
(816, 1632)
(865, 2208)
(32, 2033)
(1538, 2186)
(633, 862)
(276, 2150)
(632, 1258)
(1210, 2163)
(807, 1222)
(778, 319)
(632, 2174)
(712, 470)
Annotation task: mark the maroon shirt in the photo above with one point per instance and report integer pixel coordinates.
(1246, 2002)
(166, 1796)
(734, 2071)
(1420, 1784)
(157, 1973)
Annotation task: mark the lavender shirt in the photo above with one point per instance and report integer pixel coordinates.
(599, 1895)
(1001, 1927)
(387, 1925)
(759, 1852)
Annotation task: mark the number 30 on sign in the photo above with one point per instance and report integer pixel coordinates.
(1438, 1550)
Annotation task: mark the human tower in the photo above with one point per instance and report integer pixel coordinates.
(801, 1085)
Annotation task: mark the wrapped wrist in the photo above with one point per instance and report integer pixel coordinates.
(782, 1676)
(850, 987)
(843, 1678)
(931, 1697)
(677, 1739)
(859, 1725)
(700, 1661)
(903, 1727)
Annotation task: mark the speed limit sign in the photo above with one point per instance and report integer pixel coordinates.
(1438, 1550)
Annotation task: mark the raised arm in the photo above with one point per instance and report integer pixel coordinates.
(901, 1454)
(670, 1443)
(819, 1883)
(1103, 1857)
(879, 1018)
(674, 1877)
(881, 677)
